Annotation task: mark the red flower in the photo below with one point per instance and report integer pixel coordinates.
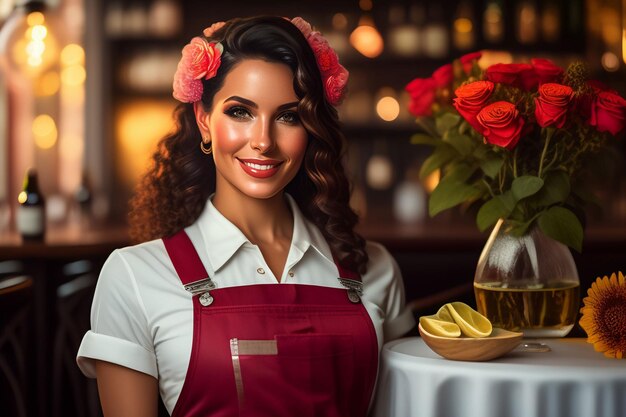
(336, 85)
(552, 104)
(470, 99)
(200, 59)
(327, 59)
(443, 76)
(422, 92)
(467, 61)
(518, 75)
(547, 71)
(608, 113)
(502, 124)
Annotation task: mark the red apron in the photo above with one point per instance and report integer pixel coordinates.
(279, 350)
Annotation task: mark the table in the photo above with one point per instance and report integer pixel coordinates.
(570, 381)
(44, 261)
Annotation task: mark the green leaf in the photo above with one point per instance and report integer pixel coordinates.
(555, 190)
(441, 155)
(525, 186)
(460, 172)
(448, 194)
(424, 139)
(446, 122)
(561, 224)
(491, 166)
(489, 213)
(462, 143)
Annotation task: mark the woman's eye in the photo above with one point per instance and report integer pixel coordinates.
(238, 113)
(290, 118)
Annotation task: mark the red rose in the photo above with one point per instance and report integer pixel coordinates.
(336, 85)
(502, 124)
(518, 75)
(552, 104)
(608, 113)
(467, 61)
(443, 76)
(422, 92)
(470, 99)
(327, 59)
(547, 71)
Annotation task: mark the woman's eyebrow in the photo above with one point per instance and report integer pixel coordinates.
(242, 101)
(288, 105)
(255, 106)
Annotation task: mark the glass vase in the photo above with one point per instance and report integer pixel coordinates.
(527, 283)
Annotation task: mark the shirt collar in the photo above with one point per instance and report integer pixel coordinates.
(223, 239)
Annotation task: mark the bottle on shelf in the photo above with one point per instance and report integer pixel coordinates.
(31, 212)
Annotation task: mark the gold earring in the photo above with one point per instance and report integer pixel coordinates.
(205, 150)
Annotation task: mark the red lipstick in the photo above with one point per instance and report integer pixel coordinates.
(259, 168)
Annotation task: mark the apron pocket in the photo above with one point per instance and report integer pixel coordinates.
(308, 375)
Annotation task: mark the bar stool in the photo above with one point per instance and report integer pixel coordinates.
(15, 301)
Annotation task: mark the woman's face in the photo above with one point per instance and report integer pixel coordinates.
(257, 139)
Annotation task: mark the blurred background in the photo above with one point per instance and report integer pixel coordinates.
(85, 94)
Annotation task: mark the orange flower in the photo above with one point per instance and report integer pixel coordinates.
(604, 315)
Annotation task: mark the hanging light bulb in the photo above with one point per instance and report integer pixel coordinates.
(26, 41)
(366, 38)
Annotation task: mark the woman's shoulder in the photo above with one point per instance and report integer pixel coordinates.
(379, 256)
(135, 261)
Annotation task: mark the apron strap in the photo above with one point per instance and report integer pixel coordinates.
(351, 280)
(345, 272)
(185, 258)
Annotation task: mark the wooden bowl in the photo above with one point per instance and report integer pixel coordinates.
(497, 344)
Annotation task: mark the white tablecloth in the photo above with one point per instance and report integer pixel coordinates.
(570, 381)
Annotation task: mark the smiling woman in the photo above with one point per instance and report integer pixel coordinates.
(250, 274)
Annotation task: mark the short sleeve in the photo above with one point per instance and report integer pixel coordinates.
(119, 329)
(384, 280)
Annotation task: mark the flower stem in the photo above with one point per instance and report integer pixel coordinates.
(549, 133)
(515, 163)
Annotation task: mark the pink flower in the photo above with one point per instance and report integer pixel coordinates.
(303, 25)
(200, 59)
(443, 76)
(423, 92)
(208, 32)
(327, 59)
(334, 75)
(335, 85)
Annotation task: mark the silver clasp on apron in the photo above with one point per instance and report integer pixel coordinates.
(202, 287)
(355, 289)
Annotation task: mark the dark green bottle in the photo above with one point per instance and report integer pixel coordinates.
(31, 212)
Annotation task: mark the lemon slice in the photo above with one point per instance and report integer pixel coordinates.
(444, 314)
(470, 321)
(438, 327)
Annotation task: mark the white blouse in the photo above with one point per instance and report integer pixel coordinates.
(142, 317)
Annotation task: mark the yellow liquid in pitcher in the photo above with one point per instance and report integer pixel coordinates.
(549, 311)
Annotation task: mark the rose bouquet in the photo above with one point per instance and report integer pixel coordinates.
(518, 140)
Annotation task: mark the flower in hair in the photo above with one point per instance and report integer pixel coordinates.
(303, 25)
(208, 32)
(200, 59)
(334, 75)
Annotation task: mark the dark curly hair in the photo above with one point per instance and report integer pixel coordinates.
(174, 191)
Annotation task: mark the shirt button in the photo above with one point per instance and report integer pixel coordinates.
(291, 273)
(260, 270)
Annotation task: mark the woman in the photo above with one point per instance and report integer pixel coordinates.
(260, 299)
